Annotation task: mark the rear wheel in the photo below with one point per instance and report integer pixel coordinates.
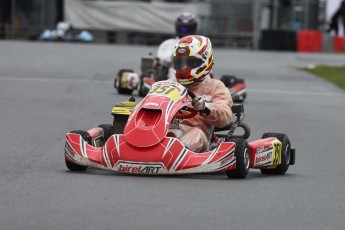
(143, 91)
(71, 165)
(229, 80)
(285, 155)
(242, 159)
(119, 79)
(108, 130)
(119, 123)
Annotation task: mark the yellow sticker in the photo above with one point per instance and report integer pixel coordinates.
(124, 108)
(124, 80)
(166, 90)
(277, 152)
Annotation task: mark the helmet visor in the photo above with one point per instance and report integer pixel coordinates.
(186, 63)
(185, 30)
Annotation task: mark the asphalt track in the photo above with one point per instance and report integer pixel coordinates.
(49, 89)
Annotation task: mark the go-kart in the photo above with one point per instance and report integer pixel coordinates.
(236, 86)
(144, 139)
(65, 32)
(126, 80)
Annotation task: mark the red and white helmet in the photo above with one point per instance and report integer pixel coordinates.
(192, 59)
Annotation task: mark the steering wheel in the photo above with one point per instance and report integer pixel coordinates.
(186, 115)
(191, 112)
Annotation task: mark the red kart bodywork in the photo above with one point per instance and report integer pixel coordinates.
(238, 91)
(145, 148)
(168, 157)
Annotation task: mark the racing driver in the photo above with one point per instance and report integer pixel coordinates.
(185, 24)
(193, 60)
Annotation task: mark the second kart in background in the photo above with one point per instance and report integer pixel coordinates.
(126, 80)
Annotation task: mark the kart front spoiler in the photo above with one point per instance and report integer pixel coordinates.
(169, 156)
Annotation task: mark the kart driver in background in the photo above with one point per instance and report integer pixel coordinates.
(185, 24)
(193, 60)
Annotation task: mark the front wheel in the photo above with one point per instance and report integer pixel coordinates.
(242, 159)
(72, 165)
(228, 80)
(285, 154)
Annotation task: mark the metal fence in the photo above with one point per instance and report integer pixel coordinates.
(230, 23)
(25, 19)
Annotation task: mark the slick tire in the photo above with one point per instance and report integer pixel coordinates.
(71, 165)
(242, 159)
(229, 80)
(142, 91)
(108, 130)
(117, 83)
(239, 98)
(119, 123)
(285, 157)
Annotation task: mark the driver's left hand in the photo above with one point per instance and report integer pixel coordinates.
(198, 103)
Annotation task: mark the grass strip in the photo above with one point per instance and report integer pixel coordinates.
(334, 74)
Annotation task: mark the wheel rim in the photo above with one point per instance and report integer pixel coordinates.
(246, 158)
(287, 154)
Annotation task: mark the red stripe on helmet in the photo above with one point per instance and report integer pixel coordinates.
(203, 48)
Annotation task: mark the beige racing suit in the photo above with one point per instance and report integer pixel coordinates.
(195, 130)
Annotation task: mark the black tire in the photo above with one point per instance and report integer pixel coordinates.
(229, 80)
(239, 99)
(143, 91)
(242, 155)
(71, 165)
(117, 82)
(285, 157)
(119, 123)
(244, 95)
(161, 73)
(108, 130)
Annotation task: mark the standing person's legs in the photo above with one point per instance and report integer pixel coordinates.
(59, 11)
(5, 13)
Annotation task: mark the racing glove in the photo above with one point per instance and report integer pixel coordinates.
(200, 104)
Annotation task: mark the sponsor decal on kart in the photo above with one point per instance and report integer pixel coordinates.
(263, 156)
(134, 167)
(124, 108)
(269, 155)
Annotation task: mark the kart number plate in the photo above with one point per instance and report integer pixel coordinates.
(166, 90)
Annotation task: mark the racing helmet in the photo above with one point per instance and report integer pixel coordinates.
(192, 59)
(185, 24)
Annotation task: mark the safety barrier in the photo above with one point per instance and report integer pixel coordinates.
(309, 41)
(301, 41)
(338, 44)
